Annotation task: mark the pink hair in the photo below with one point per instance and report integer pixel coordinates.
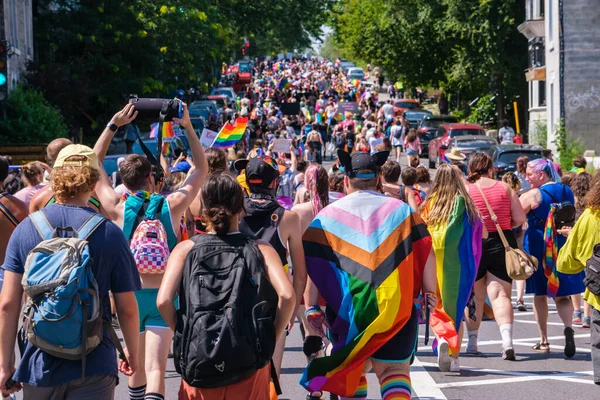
(317, 185)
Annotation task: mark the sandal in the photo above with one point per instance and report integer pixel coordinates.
(540, 347)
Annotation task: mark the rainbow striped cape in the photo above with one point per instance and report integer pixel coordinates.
(457, 247)
(365, 253)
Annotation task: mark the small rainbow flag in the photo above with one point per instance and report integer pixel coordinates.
(230, 134)
(356, 83)
(167, 130)
(284, 84)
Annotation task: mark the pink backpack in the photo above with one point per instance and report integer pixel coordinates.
(150, 247)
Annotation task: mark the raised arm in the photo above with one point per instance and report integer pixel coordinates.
(104, 189)
(180, 200)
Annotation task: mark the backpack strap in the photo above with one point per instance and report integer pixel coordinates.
(42, 225)
(4, 210)
(90, 226)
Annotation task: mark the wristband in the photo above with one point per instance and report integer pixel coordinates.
(113, 127)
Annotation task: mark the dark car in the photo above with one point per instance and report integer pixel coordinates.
(471, 144)
(444, 135)
(428, 127)
(415, 117)
(505, 156)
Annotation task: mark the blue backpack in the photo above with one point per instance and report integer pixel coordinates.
(63, 313)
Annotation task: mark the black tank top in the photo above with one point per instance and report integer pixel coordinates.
(262, 222)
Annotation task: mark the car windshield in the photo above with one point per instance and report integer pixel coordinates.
(435, 123)
(427, 135)
(415, 115)
(510, 157)
(465, 132)
(220, 103)
(475, 143)
(200, 106)
(244, 67)
(406, 104)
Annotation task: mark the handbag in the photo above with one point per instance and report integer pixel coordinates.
(519, 264)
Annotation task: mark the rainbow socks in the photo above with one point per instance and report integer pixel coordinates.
(396, 387)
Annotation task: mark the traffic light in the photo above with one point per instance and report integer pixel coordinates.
(3, 70)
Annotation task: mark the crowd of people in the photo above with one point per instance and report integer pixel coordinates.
(214, 256)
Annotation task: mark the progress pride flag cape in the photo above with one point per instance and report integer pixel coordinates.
(366, 254)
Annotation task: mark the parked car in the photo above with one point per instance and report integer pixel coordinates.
(505, 156)
(414, 117)
(227, 91)
(356, 73)
(210, 105)
(428, 128)
(471, 144)
(444, 135)
(405, 104)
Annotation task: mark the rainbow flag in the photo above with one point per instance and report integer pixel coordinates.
(364, 253)
(356, 83)
(551, 253)
(284, 84)
(230, 134)
(167, 130)
(457, 247)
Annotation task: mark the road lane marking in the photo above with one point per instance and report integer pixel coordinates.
(423, 384)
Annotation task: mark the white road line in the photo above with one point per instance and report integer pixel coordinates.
(526, 321)
(482, 382)
(553, 346)
(523, 341)
(423, 384)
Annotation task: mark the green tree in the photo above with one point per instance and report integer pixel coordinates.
(30, 119)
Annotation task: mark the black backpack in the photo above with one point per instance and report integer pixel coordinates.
(339, 140)
(592, 272)
(226, 322)
(565, 211)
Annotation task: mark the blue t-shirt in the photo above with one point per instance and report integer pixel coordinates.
(114, 269)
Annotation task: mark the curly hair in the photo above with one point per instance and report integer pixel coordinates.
(592, 198)
(581, 186)
(69, 182)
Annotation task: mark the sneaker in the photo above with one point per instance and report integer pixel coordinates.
(577, 317)
(444, 359)
(586, 322)
(508, 354)
(521, 306)
(569, 342)
(455, 365)
(472, 345)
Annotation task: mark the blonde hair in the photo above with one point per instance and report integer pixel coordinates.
(447, 188)
(69, 182)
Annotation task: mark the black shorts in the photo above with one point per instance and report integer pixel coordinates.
(493, 257)
(401, 347)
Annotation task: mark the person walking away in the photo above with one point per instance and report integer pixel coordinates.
(42, 375)
(390, 173)
(412, 144)
(396, 135)
(582, 248)
(12, 212)
(443, 104)
(267, 220)
(512, 180)
(537, 204)
(492, 278)
(506, 134)
(375, 140)
(522, 172)
(456, 230)
(33, 177)
(315, 141)
(334, 248)
(261, 301)
(151, 223)
(423, 181)
(317, 193)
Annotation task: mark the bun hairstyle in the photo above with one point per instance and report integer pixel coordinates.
(479, 165)
(33, 173)
(222, 199)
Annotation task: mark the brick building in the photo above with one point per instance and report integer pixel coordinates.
(563, 74)
(16, 28)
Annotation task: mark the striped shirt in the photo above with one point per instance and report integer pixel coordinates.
(499, 201)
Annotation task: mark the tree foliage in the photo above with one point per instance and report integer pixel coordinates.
(30, 119)
(467, 46)
(91, 54)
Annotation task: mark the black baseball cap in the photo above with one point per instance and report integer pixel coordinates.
(362, 165)
(260, 171)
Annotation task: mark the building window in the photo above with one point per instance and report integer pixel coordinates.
(541, 93)
(537, 53)
(541, 4)
(531, 105)
(550, 21)
(14, 26)
(529, 10)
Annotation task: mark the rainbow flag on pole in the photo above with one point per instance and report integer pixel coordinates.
(457, 248)
(364, 253)
(230, 134)
(167, 130)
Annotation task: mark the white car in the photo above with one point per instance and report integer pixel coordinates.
(356, 73)
(226, 91)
